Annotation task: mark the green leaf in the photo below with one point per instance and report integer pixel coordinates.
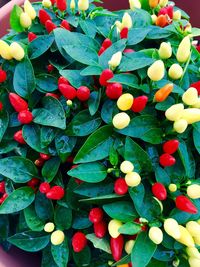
(60, 253)
(145, 127)
(83, 124)
(43, 207)
(82, 258)
(109, 109)
(121, 210)
(29, 241)
(51, 115)
(143, 250)
(46, 83)
(196, 134)
(130, 228)
(63, 217)
(18, 200)
(127, 79)
(134, 153)
(15, 19)
(89, 172)
(40, 45)
(94, 102)
(75, 78)
(32, 220)
(24, 78)
(47, 258)
(135, 61)
(187, 159)
(31, 134)
(96, 147)
(101, 199)
(18, 169)
(64, 145)
(4, 120)
(88, 26)
(91, 70)
(99, 243)
(50, 168)
(137, 35)
(158, 33)
(162, 176)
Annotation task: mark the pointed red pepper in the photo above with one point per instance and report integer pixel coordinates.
(18, 136)
(64, 24)
(31, 36)
(79, 242)
(25, 117)
(44, 187)
(56, 193)
(197, 86)
(100, 229)
(116, 246)
(61, 4)
(1, 106)
(3, 76)
(139, 103)
(171, 146)
(159, 191)
(18, 103)
(43, 16)
(124, 33)
(166, 160)
(183, 203)
(50, 26)
(96, 215)
(105, 76)
(106, 43)
(67, 91)
(114, 90)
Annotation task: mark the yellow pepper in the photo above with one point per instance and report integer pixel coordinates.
(174, 113)
(193, 253)
(49, 227)
(46, 3)
(197, 104)
(154, 18)
(175, 71)
(134, 4)
(190, 97)
(25, 20)
(194, 262)
(132, 179)
(115, 60)
(183, 51)
(17, 51)
(83, 5)
(165, 50)
(193, 228)
(180, 126)
(156, 235)
(191, 115)
(127, 21)
(177, 15)
(156, 71)
(197, 240)
(193, 191)
(129, 246)
(172, 188)
(125, 102)
(121, 120)
(171, 227)
(5, 50)
(113, 228)
(163, 3)
(153, 3)
(186, 237)
(29, 9)
(126, 167)
(118, 25)
(57, 237)
(72, 4)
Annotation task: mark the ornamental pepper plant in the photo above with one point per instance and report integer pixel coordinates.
(100, 134)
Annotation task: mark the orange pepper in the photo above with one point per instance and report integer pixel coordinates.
(153, 3)
(162, 94)
(162, 21)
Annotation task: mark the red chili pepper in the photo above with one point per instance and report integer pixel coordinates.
(101, 50)
(45, 156)
(128, 50)
(166, 160)
(171, 146)
(169, 10)
(61, 5)
(53, 95)
(33, 182)
(18, 103)
(83, 93)
(43, 16)
(163, 93)
(100, 229)
(44, 187)
(1, 106)
(116, 246)
(124, 33)
(63, 80)
(106, 43)
(25, 117)
(50, 26)
(162, 21)
(50, 68)
(56, 193)
(159, 191)
(197, 86)
(18, 136)
(96, 215)
(114, 90)
(139, 103)
(120, 186)
(105, 76)
(198, 48)
(39, 162)
(78, 181)
(2, 187)
(183, 203)
(67, 91)
(53, 2)
(64, 24)
(79, 242)
(3, 76)
(31, 36)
